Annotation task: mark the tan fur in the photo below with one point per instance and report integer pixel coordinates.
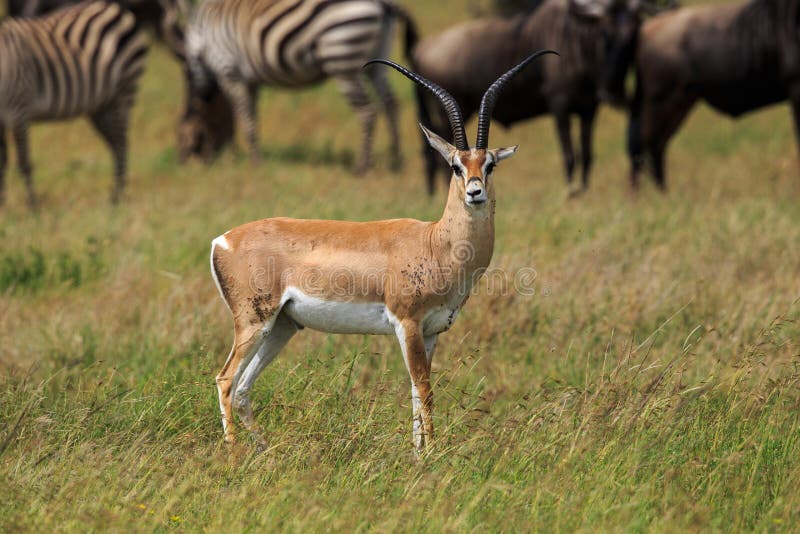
(410, 266)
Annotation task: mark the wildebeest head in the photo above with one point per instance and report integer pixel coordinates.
(620, 21)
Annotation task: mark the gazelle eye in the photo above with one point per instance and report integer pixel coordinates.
(457, 170)
(490, 168)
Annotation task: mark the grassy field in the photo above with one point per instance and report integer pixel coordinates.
(651, 382)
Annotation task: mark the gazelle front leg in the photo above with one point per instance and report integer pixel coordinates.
(409, 333)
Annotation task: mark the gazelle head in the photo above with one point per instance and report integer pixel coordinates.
(472, 167)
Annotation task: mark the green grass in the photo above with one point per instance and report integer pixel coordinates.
(651, 382)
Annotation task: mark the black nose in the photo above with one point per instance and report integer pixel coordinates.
(475, 193)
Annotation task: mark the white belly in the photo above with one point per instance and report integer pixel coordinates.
(337, 317)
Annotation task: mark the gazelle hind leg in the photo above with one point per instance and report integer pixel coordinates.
(352, 87)
(245, 344)
(430, 347)
(282, 331)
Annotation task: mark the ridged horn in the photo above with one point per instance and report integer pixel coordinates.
(447, 100)
(490, 98)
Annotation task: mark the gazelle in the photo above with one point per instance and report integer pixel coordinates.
(401, 276)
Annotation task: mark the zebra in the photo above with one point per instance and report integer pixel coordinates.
(80, 60)
(163, 16)
(238, 45)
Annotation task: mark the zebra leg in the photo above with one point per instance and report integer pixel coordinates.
(111, 123)
(352, 87)
(243, 99)
(24, 162)
(3, 162)
(378, 77)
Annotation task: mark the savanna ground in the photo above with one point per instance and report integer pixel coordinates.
(651, 382)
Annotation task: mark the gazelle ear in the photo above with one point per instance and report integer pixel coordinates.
(504, 153)
(439, 144)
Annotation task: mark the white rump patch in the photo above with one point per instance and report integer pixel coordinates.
(220, 242)
(214, 244)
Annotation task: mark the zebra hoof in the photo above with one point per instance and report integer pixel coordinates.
(362, 169)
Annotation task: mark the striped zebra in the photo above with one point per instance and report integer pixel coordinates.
(81, 60)
(242, 44)
(166, 19)
(163, 16)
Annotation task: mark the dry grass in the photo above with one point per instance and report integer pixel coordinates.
(650, 383)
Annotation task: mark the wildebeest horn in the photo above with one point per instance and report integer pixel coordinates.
(591, 8)
(447, 100)
(490, 98)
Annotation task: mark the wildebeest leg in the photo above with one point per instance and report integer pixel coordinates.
(433, 117)
(587, 125)
(635, 149)
(352, 87)
(663, 123)
(243, 99)
(24, 162)
(794, 98)
(3, 162)
(378, 77)
(441, 126)
(112, 124)
(564, 137)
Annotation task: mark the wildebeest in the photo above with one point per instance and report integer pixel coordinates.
(465, 58)
(737, 58)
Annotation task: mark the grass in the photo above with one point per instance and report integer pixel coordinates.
(649, 381)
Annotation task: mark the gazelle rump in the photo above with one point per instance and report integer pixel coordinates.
(402, 276)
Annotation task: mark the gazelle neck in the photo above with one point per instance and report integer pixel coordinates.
(465, 234)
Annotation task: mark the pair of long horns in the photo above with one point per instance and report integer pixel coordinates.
(451, 106)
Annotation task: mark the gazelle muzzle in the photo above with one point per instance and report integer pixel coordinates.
(475, 191)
